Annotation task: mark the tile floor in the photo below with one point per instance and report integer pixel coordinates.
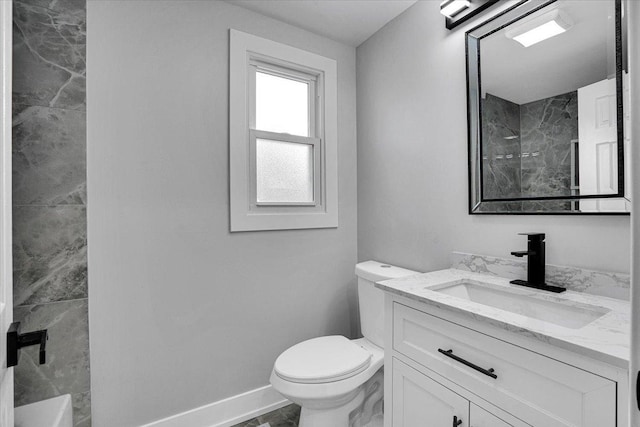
(284, 417)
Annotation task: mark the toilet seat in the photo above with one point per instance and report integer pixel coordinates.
(322, 360)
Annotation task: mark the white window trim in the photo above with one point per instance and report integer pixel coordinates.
(246, 214)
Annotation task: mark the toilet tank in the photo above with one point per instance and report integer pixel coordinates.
(371, 299)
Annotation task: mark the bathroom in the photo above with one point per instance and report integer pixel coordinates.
(165, 303)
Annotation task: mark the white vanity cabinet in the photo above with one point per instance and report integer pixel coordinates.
(481, 418)
(442, 365)
(419, 400)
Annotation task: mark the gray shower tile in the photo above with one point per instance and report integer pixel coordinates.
(500, 180)
(500, 207)
(548, 126)
(49, 50)
(49, 254)
(284, 417)
(67, 367)
(81, 409)
(545, 181)
(500, 148)
(546, 206)
(57, 5)
(49, 156)
(527, 150)
(288, 416)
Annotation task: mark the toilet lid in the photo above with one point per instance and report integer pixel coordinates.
(322, 360)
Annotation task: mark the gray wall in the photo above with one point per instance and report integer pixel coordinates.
(412, 161)
(49, 196)
(184, 313)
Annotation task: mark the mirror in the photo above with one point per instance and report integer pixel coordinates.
(546, 82)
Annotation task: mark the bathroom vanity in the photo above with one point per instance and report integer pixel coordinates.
(471, 350)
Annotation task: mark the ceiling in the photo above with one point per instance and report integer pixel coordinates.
(581, 56)
(347, 21)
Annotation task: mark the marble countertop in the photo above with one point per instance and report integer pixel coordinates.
(605, 338)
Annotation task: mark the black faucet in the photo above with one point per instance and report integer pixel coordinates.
(16, 341)
(535, 254)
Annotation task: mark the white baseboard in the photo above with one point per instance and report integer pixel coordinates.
(227, 412)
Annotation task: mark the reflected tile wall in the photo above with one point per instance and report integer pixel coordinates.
(526, 150)
(547, 127)
(500, 148)
(49, 196)
(546, 206)
(500, 207)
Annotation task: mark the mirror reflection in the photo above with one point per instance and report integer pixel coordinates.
(547, 83)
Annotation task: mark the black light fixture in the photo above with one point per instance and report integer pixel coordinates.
(458, 11)
(451, 8)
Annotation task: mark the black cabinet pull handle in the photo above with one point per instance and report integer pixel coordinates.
(638, 389)
(456, 421)
(487, 372)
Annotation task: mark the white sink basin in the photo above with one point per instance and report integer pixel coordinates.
(547, 308)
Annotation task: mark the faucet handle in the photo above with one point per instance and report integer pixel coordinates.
(16, 341)
(534, 236)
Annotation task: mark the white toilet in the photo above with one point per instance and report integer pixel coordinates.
(339, 382)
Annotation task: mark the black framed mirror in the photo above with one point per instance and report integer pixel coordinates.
(547, 114)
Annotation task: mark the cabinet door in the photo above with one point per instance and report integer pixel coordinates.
(481, 418)
(419, 401)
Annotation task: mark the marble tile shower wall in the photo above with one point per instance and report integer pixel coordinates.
(49, 199)
(547, 128)
(500, 148)
(526, 150)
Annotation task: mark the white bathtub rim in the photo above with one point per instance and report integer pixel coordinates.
(42, 413)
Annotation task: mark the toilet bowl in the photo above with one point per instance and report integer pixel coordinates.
(331, 389)
(339, 382)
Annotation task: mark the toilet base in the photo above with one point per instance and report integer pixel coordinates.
(365, 409)
(338, 416)
(371, 412)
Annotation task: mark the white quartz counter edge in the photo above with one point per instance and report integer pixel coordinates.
(605, 339)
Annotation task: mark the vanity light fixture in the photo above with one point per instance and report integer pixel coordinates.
(458, 11)
(451, 8)
(540, 28)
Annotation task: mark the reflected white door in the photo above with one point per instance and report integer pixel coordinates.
(6, 285)
(598, 141)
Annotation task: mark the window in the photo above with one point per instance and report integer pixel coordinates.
(283, 136)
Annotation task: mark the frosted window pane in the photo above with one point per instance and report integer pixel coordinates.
(284, 171)
(282, 105)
